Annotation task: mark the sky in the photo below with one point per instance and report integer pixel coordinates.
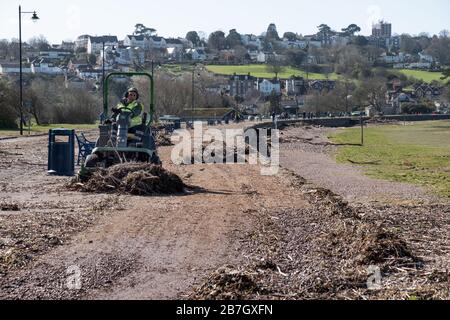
(66, 20)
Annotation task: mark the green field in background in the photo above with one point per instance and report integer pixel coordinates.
(417, 153)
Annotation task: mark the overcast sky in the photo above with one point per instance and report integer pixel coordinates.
(65, 20)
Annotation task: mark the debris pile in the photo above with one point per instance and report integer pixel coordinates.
(163, 140)
(228, 283)
(131, 178)
(9, 207)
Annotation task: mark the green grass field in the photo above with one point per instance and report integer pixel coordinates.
(425, 76)
(260, 71)
(44, 129)
(417, 153)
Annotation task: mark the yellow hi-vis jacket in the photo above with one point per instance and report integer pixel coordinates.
(136, 108)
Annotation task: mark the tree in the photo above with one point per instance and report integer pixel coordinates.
(351, 30)
(325, 33)
(291, 36)
(440, 50)
(4, 46)
(7, 101)
(142, 30)
(446, 74)
(352, 63)
(272, 33)
(217, 41)
(409, 45)
(92, 59)
(275, 66)
(233, 39)
(444, 33)
(360, 41)
(371, 92)
(193, 37)
(295, 57)
(40, 43)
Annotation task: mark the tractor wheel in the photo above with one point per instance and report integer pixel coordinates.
(92, 161)
(155, 160)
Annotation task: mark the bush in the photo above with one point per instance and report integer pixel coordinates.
(412, 108)
(8, 115)
(76, 107)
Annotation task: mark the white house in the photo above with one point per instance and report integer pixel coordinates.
(123, 55)
(157, 42)
(198, 54)
(45, 66)
(14, 68)
(267, 87)
(262, 57)
(55, 54)
(82, 42)
(400, 58)
(297, 44)
(174, 43)
(426, 57)
(414, 65)
(87, 73)
(95, 44)
(136, 41)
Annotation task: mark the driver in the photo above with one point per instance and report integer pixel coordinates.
(130, 104)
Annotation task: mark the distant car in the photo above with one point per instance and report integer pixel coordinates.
(358, 114)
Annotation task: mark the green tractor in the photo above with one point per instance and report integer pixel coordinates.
(115, 144)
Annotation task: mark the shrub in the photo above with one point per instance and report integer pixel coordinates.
(8, 115)
(414, 108)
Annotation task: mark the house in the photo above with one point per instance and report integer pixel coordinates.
(73, 64)
(251, 40)
(55, 54)
(264, 57)
(45, 66)
(426, 91)
(95, 44)
(67, 46)
(393, 58)
(174, 43)
(267, 87)
(197, 54)
(240, 85)
(137, 41)
(296, 86)
(88, 73)
(393, 43)
(157, 42)
(124, 55)
(297, 44)
(395, 84)
(82, 42)
(14, 68)
(425, 57)
(320, 85)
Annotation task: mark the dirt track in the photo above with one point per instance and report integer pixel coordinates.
(282, 237)
(151, 248)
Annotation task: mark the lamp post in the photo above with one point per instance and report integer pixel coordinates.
(193, 93)
(34, 18)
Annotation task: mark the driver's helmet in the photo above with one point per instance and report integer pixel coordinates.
(132, 90)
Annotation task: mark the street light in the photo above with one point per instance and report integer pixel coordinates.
(34, 18)
(193, 91)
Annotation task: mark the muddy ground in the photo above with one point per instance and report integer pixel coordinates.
(237, 234)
